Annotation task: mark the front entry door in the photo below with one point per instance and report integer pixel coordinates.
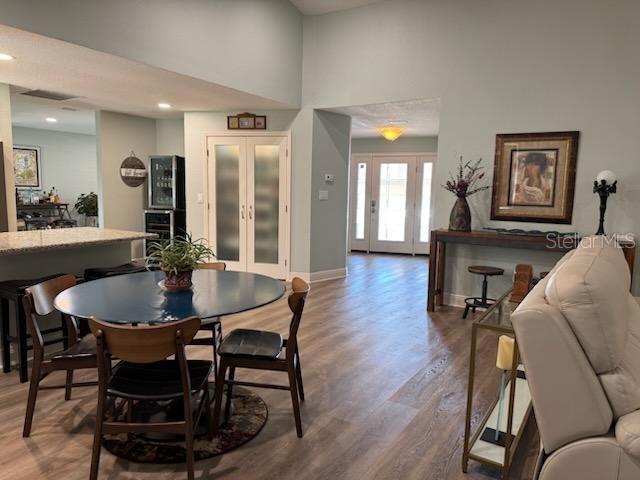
(390, 203)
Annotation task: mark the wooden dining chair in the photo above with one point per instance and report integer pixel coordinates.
(213, 325)
(261, 350)
(80, 354)
(145, 373)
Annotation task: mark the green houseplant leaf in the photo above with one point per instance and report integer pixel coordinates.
(179, 255)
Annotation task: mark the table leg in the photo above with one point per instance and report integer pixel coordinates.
(440, 273)
(433, 259)
(506, 469)
(467, 424)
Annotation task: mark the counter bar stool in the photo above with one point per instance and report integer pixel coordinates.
(212, 325)
(481, 302)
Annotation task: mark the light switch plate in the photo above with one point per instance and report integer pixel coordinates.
(200, 199)
(323, 195)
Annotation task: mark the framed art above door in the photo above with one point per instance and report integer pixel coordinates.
(248, 193)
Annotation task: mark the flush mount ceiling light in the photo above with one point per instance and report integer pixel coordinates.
(6, 57)
(391, 132)
(164, 105)
(51, 120)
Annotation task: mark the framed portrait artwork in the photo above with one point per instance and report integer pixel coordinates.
(534, 177)
(26, 166)
(246, 121)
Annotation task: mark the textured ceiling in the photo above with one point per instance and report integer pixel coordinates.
(421, 117)
(103, 81)
(318, 7)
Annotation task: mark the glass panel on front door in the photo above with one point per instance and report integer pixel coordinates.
(392, 202)
(361, 199)
(425, 206)
(227, 202)
(267, 203)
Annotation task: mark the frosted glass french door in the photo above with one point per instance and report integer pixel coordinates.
(247, 203)
(390, 203)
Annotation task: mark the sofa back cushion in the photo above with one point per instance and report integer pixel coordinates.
(591, 290)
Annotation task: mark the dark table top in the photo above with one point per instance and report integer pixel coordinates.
(137, 297)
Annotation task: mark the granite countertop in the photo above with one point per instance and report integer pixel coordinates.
(60, 238)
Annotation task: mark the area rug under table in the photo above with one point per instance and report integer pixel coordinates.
(249, 415)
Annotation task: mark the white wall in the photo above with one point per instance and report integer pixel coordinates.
(401, 145)
(67, 161)
(170, 136)
(250, 45)
(121, 206)
(497, 66)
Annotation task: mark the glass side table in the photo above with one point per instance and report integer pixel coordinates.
(480, 445)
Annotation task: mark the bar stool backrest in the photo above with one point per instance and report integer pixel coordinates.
(212, 266)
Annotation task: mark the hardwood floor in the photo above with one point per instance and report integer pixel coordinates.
(385, 387)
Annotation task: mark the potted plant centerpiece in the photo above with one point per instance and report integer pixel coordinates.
(178, 258)
(464, 184)
(87, 205)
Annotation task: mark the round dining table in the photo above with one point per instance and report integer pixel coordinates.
(139, 298)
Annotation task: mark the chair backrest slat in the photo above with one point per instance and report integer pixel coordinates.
(212, 266)
(144, 343)
(44, 293)
(296, 302)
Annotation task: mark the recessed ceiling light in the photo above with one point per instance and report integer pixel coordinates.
(6, 56)
(164, 105)
(51, 120)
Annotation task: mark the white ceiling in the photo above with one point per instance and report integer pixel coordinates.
(103, 81)
(421, 117)
(318, 7)
(31, 112)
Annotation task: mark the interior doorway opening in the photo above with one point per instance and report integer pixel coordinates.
(393, 160)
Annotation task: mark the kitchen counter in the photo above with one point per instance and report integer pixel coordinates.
(38, 253)
(62, 238)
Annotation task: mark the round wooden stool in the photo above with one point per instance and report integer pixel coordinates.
(481, 302)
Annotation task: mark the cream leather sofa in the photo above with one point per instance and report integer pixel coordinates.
(578, 332)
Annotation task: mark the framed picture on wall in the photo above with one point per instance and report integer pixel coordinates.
(534, 177)
(26, 166)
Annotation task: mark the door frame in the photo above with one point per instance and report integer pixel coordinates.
(207, 211)
(369, 156)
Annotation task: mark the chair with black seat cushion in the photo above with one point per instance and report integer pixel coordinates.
(481, 302)
(262, 350)
(81, 353)
(212, 325)
(104, 272)
(144, 373)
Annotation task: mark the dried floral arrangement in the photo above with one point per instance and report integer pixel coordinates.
(464, 183)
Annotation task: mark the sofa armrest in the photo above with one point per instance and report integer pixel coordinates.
(567, 397)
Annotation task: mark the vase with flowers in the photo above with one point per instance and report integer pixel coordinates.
(464, 184)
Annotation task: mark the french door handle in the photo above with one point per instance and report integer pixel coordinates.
(242, 212)
(250, 212)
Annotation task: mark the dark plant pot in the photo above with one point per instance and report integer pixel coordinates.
(177, 282)
(460, 218)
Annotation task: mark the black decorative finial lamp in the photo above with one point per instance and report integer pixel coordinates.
(604, 185)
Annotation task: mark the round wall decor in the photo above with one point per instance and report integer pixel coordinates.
(132, 171)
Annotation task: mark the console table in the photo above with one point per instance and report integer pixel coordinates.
(480, 446)
(440, 238)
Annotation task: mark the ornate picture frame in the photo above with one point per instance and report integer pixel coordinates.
(26, 166)
(534, 177)
(246, 121)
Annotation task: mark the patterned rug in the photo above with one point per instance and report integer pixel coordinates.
(249, 415)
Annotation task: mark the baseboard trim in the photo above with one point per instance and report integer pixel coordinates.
(454, 299)
(321, 276)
